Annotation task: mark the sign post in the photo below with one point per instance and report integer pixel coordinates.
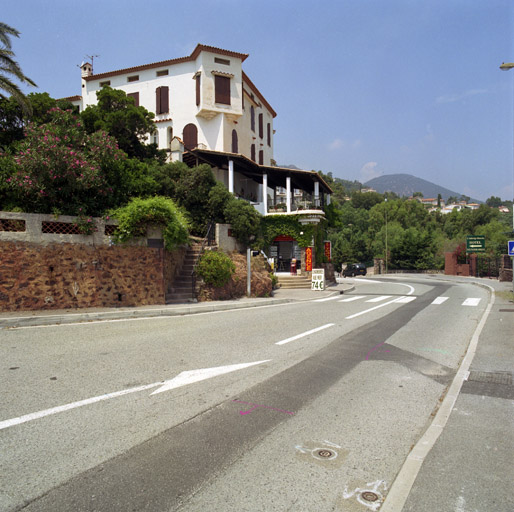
(318, 279)
(510, 249)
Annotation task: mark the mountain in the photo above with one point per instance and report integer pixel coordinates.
(405, 185)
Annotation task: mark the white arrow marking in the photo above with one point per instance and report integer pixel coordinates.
(181, 380)
(185, 378)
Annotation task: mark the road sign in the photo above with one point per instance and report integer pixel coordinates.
(318, 279)
(511, 247)
(475, 244)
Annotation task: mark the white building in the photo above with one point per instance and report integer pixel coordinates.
(208, 110)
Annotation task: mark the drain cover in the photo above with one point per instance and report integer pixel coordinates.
(369, 496)
(326, 454)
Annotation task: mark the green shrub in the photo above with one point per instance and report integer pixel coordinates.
(138, 214)
(216, 268)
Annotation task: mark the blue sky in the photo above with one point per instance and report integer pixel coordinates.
(362, 88)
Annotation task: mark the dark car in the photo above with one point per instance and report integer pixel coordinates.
(354, 269)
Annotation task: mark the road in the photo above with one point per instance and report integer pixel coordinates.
(307, 406)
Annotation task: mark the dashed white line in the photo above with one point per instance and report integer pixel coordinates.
(372, 309)
(326, 299)
(298, 336)
(378, 299)
(440, 300)
(350, 299)
(471, 302)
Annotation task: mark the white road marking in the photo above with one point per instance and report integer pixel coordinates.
(326, 298)
(372, 309)
(298, 336)
(405, 300)
(440, 300)
(189, 377)
(181, 380)
(471, 302)
(350, 299)
(378, 299)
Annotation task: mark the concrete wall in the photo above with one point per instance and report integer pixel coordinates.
(226, 242)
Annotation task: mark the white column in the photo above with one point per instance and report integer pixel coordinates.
(231, 176)
(288, 194)
(265, 193)
(316, 193)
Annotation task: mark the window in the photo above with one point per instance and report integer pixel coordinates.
(105, 84)
(225, 62)
(222, 89)
(252, 118)
(162, 72)
(134, 95)
(162, 100)
(133, 78)
(269, 134)
(198, 89)
(261, 157)
(261, 126)
(252, 152)
(190, 136)
(235, 148)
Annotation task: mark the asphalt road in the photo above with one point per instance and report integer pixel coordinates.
(313, 406)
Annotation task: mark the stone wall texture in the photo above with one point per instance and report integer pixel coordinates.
(61, 276)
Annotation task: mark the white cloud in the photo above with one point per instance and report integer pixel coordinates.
(336, 144)
(369, 171)
(452, 98)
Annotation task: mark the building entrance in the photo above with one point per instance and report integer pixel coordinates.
(284, 250)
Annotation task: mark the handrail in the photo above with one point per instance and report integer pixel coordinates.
(209, 238)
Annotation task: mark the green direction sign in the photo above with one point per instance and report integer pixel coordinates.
(475, 244)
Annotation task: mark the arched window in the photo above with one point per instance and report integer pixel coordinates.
(234, 142)
(252, 118)
(190, 136)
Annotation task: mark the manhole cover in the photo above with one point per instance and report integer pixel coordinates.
(369, 496)
(326, 454)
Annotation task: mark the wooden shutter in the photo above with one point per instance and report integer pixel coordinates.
(252, 152)
(190, 136)
(162, 100)
(261, 126)
(235, 148)
(222, 89)
(261, 157)
(134, 95)
(269, 134)
(252, 118)
(198, 83)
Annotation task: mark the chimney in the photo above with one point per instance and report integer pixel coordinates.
(86, 69)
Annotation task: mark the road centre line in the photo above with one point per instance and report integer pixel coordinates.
(303, 334)
(372, 309)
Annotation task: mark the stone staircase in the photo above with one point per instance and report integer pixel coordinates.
(181, 290)
(293, 282)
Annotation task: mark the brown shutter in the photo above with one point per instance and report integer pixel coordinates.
(261, 157)
(198, 83)
(190, 136)
(234, 142)
(134, 95)
(162, 100)
(222, 89)
(269, 134)
(252, 118)
(252, 152)
(261, 126)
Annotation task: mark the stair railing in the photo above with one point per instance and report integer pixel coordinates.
(208, 240)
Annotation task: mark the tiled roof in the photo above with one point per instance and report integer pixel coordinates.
(199, 48)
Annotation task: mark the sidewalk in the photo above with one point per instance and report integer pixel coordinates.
(68, 316)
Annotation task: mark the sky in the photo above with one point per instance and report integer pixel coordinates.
(362, 88)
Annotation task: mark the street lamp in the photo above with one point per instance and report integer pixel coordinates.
(386, 229)
(506, 66)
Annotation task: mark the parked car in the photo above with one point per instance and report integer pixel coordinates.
(354, 269)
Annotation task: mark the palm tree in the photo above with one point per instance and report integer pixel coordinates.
(10, 69)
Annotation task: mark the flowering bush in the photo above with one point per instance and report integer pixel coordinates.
(59, 165)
